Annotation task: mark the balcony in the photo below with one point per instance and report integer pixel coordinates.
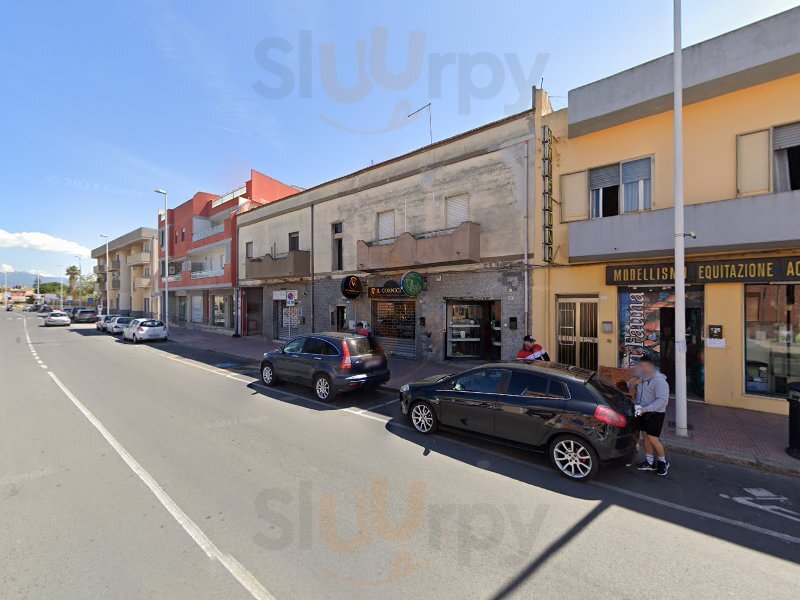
(443, 247)
(208, 273)
(141, 282)
(114, 265)
(207, 233)
(295, 263)
(115, 284)
(751, 223)
(99, 269)
(139, 258)
(172, 278)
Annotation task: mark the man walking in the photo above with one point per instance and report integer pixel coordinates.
(652, 396)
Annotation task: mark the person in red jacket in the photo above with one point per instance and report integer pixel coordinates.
(531, 350)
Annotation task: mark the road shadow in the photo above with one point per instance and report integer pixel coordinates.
(676, 499)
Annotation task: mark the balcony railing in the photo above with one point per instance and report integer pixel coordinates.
(99, 269)
(171, 278)
(295, 263)
(208, 273)
(141, 282)
(139, 258)
(457, 245)
(115, 284)
(114, 265)
(206, 233)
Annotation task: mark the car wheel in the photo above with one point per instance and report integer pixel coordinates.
(133, 339)
(268, 374)
(574, 457)
(423, 418)
(323, 389)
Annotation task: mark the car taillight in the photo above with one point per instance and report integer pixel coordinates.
(140, 330)
(608, 415)
(346, 362)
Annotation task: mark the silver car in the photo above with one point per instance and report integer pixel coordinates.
(56, 318)
(117, 324)
(103, 320)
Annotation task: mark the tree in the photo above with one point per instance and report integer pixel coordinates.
(73, 273)
(51, 287)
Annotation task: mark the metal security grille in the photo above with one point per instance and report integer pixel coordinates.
(457, 211)
(393, 325)
(576, 337)
(284, 317)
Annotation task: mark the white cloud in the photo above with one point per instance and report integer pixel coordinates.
(42, 273)
(4, 268)
(35, 240)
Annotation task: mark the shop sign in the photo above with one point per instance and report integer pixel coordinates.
(412, 283)
(351, 287)
(755, 270)
(390, 289)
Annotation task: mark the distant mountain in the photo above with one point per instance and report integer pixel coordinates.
(25, 279)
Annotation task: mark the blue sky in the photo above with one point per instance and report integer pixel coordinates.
(106, 100)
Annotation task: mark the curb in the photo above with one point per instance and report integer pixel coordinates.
(742, 461)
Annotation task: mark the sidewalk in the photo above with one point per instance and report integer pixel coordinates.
(720, 433)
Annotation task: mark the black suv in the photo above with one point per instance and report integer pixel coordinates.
(579, 420)
(329, 362)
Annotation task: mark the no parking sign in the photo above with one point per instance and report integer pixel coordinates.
(291, 297)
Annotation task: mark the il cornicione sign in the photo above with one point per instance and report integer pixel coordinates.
(751, 270)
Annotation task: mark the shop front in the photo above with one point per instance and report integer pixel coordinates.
(473, 329)
(394, 319)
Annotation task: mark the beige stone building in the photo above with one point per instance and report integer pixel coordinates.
(131, 272)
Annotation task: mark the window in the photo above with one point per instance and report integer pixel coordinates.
(295, 346)
(147, 272)
(529, 385)
(176, 236)
(183, 234)
(457, 211)
(146, 304)
(146, 247)
(485, 381)
(294, 241)
(161, 237)
(248, 250)
(752, 163)
(318, 346)
(772, 338)
(786, 160)
(621, 187)
(385, 224)
(219, 305)
(337, 247)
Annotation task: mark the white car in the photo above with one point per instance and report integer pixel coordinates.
(117, 324)
(141, 330)
(57, 317)
(103, 320)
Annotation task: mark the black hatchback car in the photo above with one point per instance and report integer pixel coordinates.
(328, 362)
(579, 420)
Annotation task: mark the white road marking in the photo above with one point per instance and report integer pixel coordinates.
(651, 499)
(233, 566)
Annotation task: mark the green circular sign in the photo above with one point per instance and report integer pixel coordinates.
(411, 283)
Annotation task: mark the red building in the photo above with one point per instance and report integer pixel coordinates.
(202, 253)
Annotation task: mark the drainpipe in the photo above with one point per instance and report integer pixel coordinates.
(527, 236)
(312, 270)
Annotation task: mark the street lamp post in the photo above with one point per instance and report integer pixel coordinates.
(166, 259)
(80, 276)
(61, 283)
(106, 275)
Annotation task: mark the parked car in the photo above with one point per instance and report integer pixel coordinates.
(84, 316)
(568, 412)
(141, 330)
(28, 308)
(117, 324)
(45, 309)
(9, 307)
(72, 310)
(56, 317)
(329, 362)
(103, 320)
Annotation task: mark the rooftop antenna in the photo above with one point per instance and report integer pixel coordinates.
(429, 108)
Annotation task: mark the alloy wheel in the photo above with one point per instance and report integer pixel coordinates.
(572, 458)
(266, 374)
(323, 388)
(422, 417)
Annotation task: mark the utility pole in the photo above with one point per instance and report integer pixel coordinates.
(80, 277)
(61, 283)
(108, 266)
(166, 260)
(681, 427)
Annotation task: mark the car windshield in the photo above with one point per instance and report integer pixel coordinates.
(361, 345)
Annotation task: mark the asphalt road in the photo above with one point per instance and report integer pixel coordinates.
(159, 471)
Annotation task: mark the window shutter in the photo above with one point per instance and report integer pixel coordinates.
(786, 136)
(752, 163)
(636, 170)
(574, 196)
(457, 211)
(386, 225)
(604, 177)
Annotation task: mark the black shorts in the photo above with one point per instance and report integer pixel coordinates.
(651, 423)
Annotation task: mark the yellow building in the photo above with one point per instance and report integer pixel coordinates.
(131, 273)
(601, 279)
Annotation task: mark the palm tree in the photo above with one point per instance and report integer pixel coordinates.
(73, 273)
